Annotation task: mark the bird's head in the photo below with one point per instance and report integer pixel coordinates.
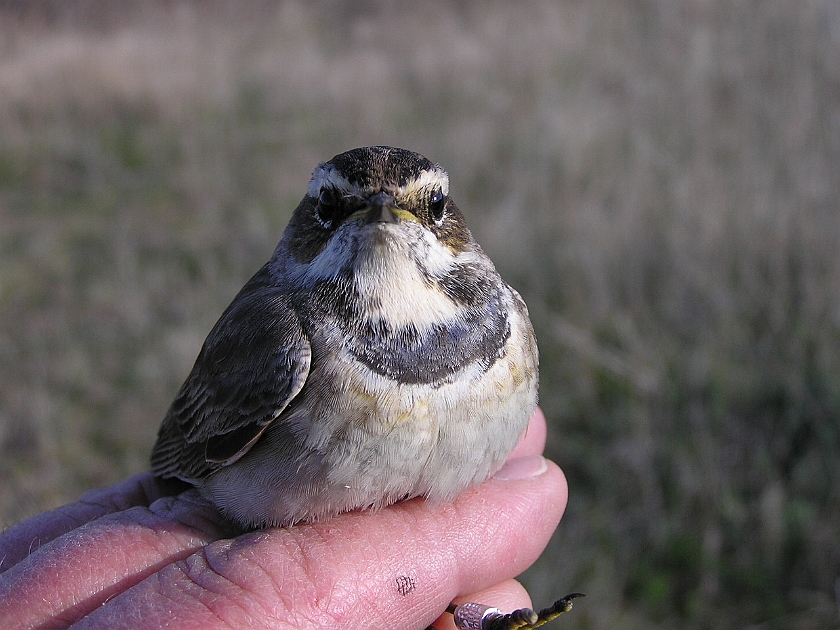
(370, 199)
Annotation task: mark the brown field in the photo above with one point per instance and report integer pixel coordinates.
(660, 180)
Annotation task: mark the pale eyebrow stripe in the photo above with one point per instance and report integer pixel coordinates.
(327, 174)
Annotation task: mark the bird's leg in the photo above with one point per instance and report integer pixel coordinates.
(470, 616)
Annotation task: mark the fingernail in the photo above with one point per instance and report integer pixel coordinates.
(522, 468)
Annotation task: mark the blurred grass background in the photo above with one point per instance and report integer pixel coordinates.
(660, 180)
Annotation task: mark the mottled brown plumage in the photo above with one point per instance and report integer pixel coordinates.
(377, 356)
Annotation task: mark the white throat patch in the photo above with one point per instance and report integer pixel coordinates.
(394, 288)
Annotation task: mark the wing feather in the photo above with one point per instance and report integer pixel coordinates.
(253, 363)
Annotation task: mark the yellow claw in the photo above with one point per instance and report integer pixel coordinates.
(526, 619)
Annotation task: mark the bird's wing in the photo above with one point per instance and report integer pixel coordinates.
(253, 363)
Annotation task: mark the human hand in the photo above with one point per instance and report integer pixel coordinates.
(146, 554)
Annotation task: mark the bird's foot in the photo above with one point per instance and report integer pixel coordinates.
(470, 616)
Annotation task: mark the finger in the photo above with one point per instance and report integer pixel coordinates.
(73, 574)
(399, 567)
(506, 596)
(533, 440)
(20, 540)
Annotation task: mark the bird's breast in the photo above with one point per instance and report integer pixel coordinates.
(431, 354)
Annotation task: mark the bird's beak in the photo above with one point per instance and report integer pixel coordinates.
(382, 208)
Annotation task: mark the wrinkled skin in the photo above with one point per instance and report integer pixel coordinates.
(142, 554)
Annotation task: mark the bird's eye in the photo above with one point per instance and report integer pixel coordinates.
(437, 205)
(327, 205)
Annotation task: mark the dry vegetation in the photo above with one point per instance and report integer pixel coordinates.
(660, 180)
